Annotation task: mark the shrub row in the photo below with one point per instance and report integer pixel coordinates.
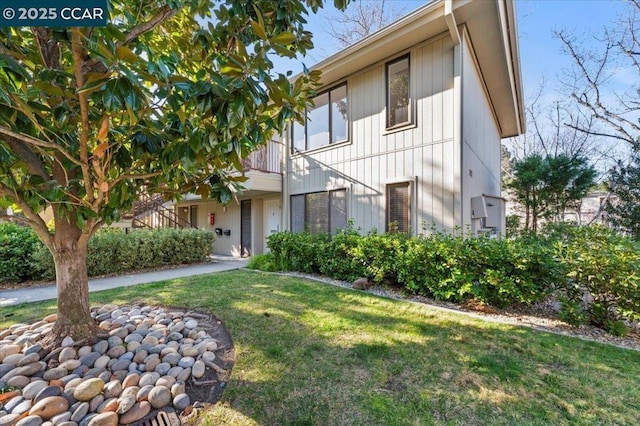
(23, 257)
(438, 265)
(593, 271)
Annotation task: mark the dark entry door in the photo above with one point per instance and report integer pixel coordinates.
(245, 227)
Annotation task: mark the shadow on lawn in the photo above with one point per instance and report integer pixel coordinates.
(309, 353)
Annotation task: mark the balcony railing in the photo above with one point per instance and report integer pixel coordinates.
(266, 159)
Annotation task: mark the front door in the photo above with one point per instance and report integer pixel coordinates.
(274, 210)
(193, 216)
(245, 228)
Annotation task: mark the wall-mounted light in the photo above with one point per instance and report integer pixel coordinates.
(185, 209)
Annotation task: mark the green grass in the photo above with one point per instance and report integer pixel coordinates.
(309, 353)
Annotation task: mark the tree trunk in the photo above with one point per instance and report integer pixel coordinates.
(72, 283)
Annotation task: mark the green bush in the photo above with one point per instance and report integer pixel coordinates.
(376, 256)
(603, 271)
(113, 251)
(17, 243)
(592, 270)
(263, 262)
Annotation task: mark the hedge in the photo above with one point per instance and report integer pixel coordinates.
(593, 271)
(111, 251)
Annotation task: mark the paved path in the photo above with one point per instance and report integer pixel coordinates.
(35, 294)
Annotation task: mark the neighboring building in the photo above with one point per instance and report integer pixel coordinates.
(405, 133)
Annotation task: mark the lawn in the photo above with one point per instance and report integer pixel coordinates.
(310, 353)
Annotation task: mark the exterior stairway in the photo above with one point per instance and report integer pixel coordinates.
(150, 211)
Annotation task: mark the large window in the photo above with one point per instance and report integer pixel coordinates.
(319, 211)
(326, 123)
(398, 100)
(399, 207)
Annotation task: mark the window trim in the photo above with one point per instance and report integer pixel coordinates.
(410, 120)
(295, 151)
(304, 203)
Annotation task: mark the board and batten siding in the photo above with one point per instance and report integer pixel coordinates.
(423, 153)
(480, 137)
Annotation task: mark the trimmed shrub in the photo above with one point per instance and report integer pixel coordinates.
(17, 243)
(603, 271)
(113, 251)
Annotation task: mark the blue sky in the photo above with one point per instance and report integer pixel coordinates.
(540, 53)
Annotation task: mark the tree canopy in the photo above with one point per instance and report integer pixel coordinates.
(168, 97)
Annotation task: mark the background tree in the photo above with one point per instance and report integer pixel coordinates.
(361, 19)
(593, 85)
(623, 209)
(548, 187)
(165, 98)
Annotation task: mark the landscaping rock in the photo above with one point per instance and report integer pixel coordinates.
(49, 407)
(362, 284)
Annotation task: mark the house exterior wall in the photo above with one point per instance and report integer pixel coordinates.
(228, 218)
(480, 139)
(424, 153)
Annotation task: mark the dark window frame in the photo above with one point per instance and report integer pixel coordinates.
(388, 219)
(295, 150)
(409, 121)
(329, 209)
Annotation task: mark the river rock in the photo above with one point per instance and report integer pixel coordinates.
(88, 389)
(80, 411)
(23, 407)
(159, 397)
(90, 359)
(95, 402)
(131, 380)
(18, 381)
(116, 351)
(7, 350)
(104, 419)
(162, 368)
(148, 379)
(178, 388)
(198, 369)
(9, 419)
(28, 359)
(49, 407)
(47, 392)
(61, 418)
(143, 393)
(55, 373)
(102, 361)
(138, 411)
(31, 390)
(71, 364)
(30, 421)
(13, 359)
(181, 401)
(112, 389)
(101, 347)
(66, 354)
(125, 403)
(186, 362)
(166, 381)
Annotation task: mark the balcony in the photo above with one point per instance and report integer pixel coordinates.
(264, 168)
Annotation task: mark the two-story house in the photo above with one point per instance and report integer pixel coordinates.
(404, 135)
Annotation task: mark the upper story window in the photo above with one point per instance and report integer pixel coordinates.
(398, 100)
(327, 121)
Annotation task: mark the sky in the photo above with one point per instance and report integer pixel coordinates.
(541, 55)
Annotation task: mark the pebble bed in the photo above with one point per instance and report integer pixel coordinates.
(144, 365)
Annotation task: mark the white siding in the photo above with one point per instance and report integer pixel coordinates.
(481, 138)
(423, 153)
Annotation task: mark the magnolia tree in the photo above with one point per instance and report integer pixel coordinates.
(168, 97)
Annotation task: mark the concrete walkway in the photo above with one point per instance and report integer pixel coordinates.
(35, 294)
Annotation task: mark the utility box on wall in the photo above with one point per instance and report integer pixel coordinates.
(489, 212)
